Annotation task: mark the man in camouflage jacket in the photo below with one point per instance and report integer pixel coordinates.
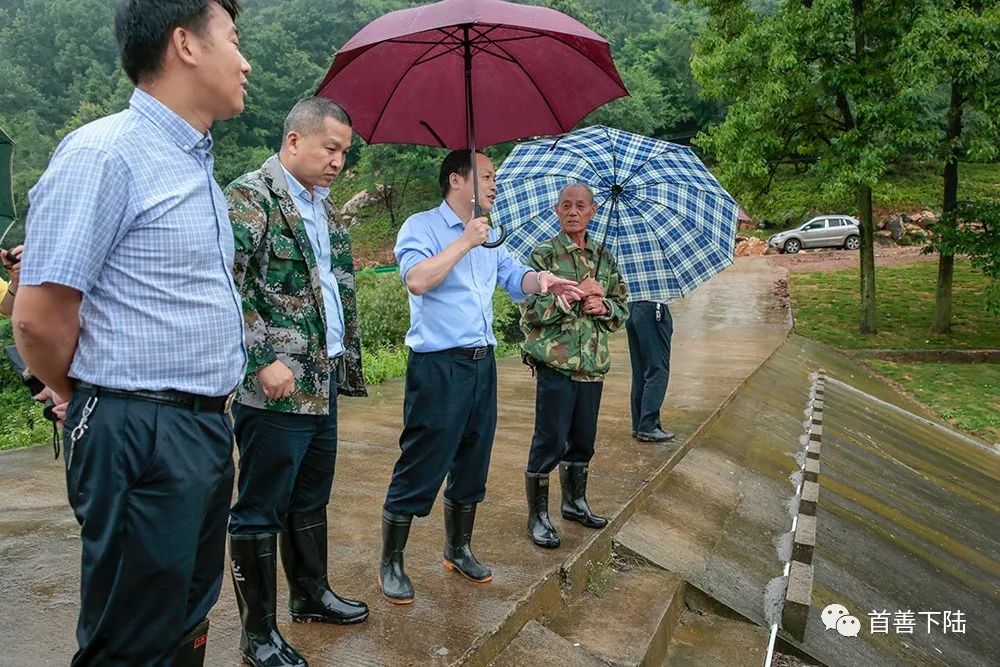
(567, 345)
(294, 269)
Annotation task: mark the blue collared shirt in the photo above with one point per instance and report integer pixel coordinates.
(313, 212)
(129, 213)
(459, 311)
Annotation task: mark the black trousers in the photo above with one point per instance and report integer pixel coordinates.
(565, 420)
(287, 462)
(449, 419)
(649, 349)
(150, 485)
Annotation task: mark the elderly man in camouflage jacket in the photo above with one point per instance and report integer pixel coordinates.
(294, 269)
(567, 345)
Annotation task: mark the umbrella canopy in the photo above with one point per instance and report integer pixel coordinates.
(7, 212)
(661, 213)
(464, 73)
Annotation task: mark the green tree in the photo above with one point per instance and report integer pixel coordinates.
(972, 228)
(390, 171)
(814, 82)
(957, 45)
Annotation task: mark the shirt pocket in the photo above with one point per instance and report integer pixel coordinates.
(287, 269)
(287, 340)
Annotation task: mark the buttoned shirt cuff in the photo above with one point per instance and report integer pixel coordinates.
(516, 290)
(260, 357)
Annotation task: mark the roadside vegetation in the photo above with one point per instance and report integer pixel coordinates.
(967, 396)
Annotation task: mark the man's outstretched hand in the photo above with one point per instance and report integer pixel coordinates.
(568, 290)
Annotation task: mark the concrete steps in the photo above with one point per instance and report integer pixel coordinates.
(704, 639)
(537, 645)
(627, 615)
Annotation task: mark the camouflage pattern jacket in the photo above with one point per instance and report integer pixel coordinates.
(275, 272)
(564, 338)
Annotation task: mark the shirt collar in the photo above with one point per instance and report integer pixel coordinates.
(449, 215)
(571, 245)
(296, 189)
(179, 130)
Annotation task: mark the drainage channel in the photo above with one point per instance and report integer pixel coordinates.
(793, 590)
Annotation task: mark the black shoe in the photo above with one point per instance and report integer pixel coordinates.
(458, 523)
(392, 580)
(573, 479)
(540, 528)
(656, 435)
(254, 570)
(303, 555)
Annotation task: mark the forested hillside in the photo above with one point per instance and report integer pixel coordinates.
(58, 68)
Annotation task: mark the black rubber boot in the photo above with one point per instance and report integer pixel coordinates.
(459, 521)
(255, 575)
(191, 650)
(303, 555)
(392, 579)
(573, 478)
(540, 528)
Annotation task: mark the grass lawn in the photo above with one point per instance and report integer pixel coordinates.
(826, 308)
(965, 395)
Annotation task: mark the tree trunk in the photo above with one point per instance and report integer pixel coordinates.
(868, 322)
(388, 199)
(946, 262)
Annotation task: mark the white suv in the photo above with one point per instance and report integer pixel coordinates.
(825, 231)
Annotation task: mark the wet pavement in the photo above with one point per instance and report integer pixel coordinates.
(723, 332)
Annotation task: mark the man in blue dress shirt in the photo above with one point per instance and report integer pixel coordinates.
(127, 307)
(450, 407)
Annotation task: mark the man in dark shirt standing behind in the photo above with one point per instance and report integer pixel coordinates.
(127, 305)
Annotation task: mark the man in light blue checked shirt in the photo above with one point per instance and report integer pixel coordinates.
(127, 307)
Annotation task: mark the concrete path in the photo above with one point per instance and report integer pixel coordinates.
(723, 333)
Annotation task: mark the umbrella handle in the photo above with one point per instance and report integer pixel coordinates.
(499, 241)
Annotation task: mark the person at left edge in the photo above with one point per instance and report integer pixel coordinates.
(127, 307)
(295, 270)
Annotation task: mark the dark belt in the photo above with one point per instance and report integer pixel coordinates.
(474, 352)
(180, 399)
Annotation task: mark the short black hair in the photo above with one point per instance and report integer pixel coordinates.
(455, 162)
(307, 115)
(143, 29)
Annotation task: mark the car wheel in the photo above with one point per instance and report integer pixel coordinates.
(792, 246)
(853, 242)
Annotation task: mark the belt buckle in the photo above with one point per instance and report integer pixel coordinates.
(480, 353)
(229, 402)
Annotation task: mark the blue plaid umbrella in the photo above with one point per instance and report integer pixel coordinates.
(664, 217)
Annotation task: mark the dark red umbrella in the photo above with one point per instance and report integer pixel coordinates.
(467, 73)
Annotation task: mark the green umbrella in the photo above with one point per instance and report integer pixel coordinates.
(7, 213)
